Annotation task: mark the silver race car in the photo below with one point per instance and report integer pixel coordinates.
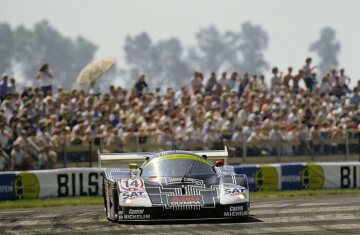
(173, 185)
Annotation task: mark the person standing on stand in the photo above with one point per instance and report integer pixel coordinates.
(45, 77)
(308, 76)
(140, 85)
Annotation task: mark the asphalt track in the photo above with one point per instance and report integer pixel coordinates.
(300, 215)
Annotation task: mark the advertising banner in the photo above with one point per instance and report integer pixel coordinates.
(263, 177)
(50, 183)
(292, 176)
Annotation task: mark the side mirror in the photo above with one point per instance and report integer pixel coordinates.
(133, 166)
(219, 163)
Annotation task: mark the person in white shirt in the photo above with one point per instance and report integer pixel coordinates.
(275, 80)
(45, 77)
(344, 81)
(308, 76)
(224, 82)
(324, 86)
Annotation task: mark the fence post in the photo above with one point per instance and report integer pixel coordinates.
(278, 151)
(244, 151)
(137, 144)
(359, 144)
(101, 144)
(90, 150)
(347, 146)
(64, 153)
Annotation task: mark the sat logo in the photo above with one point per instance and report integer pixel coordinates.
(133, 195)
(234, 191)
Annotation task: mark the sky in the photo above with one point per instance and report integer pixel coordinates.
(292, 25)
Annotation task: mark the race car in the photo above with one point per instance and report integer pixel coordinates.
(176, 185)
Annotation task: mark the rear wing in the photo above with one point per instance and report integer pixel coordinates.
(123, 159)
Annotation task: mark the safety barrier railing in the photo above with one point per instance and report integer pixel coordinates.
(82, 150)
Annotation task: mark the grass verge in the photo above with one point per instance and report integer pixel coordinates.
(300, 193)
(98, 200)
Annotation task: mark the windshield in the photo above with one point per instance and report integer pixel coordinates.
(177, 165)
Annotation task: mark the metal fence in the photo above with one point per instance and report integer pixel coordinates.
(84, 153)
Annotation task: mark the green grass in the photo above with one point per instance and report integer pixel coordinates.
(299, 193)
(52, 202)
(98, 200)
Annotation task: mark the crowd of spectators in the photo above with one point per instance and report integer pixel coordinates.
(297, 107)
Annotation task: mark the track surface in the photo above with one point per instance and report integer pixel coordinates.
(301, 215)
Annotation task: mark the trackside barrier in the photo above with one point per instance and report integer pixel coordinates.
(88, 181)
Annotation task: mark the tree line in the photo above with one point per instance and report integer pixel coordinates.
(165, 62)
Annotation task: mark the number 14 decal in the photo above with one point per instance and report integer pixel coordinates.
(132, 184)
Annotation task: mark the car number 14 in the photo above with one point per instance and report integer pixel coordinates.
(132, 184)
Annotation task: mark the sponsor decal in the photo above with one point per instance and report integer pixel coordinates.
(235, 213)
(234, 191)
(185, 200)
(26, 185)
(236, 208)
(266, 178)
(250, 172)
(136, 211)
(291, 176)
(312, 176)
(82, 184)
(131, 184)
(132, 195)
(170, 180)
(7, 186)
(348, 176)
(134, 217)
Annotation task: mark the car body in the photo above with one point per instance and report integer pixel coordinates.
(175, 185)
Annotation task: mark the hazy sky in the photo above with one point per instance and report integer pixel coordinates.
(292, 25)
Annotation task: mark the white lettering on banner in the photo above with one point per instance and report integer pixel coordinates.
(6, 189)
(136, 216)
(290, 178)
(234, 214)
(136, 211)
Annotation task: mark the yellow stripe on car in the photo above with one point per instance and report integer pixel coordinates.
(176, 156)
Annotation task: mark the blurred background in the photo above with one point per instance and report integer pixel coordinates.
(272, 80)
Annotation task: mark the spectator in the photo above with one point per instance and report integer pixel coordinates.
(355, 97)
(140, 85)
(20, 159)
(324, 86)
(344, 81)
(275, 80)
(45, 77)
(224, 82)
(196, 82)
(296, 79)
(12, 87)
(308, 77)
(262, 85)
(4, 89)
(243, 84)
(46, 158)
(211, 84)
(233, 81)
(288, 77)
